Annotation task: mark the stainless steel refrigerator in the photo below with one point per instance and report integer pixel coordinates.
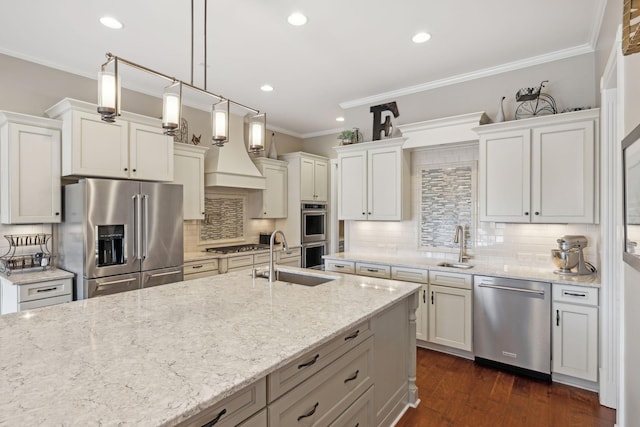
(120, 235)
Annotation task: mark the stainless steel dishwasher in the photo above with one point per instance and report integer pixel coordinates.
(512, 325)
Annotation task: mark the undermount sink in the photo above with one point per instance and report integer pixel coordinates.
(301, 279)
(460, 265)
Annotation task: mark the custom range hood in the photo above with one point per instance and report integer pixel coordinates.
(230, 165)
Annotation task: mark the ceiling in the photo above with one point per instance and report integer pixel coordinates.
(351, 52)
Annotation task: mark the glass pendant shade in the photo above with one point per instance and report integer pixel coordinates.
(220, 122)
(171, 108)
(257, 130)
(108, 92)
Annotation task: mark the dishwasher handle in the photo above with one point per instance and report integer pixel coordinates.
(511, 288)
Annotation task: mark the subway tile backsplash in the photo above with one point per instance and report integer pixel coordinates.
(500, 243)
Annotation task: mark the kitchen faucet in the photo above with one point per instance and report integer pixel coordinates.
(459, 238)
(272, 270)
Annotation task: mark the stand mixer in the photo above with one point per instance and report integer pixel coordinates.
(570, 255)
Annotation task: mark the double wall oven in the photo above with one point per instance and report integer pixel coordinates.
(313, 234)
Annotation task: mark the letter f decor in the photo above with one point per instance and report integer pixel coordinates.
(386, 125)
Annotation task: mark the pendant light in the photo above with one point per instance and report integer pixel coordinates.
(220, 122)
(109, 90)
(257, 132)
(172, 108)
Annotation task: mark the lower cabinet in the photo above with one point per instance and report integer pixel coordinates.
(291, 258)
(348, 267)
(20, 297)
(575, 332)
(373, 270)
(200, 268)
(417, 275)
(450, 310)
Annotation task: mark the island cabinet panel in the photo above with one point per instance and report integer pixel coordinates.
(258, 420)
(373, 270)
(361, 413)
(340, 266)
(234, 409)
(326, 395)
(391, 368)
(296, 372)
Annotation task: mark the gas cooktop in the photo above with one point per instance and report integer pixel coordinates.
(237, 248)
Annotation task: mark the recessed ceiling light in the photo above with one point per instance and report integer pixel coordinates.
(266, 88)
(297, 19)
(339, 119)
(421, 37)
(111, 22)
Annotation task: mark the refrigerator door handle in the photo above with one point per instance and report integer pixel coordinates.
(145, 226)
(136, 237)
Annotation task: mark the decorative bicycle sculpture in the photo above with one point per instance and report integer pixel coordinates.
(534, 103)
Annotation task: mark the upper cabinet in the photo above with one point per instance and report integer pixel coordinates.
(313, 179)
(188, 170)
(30, 169)
(272, 201)
(540, 170)
(373, 181)
(134, 147)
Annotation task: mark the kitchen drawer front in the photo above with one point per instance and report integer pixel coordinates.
(359, 414)
(258, 420)
(193, 267)
(373, 270)
(292, 374)
(44, 302)
(234, 409)
(51, 288)
(454, 280)
(409, 274)
(575, 294)
(200, 274)
(291, 253)
(340, 266)
(240, 261)
(292, 262)
(261, 259)
(323, 397)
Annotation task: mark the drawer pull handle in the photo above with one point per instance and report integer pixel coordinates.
(311, 412)
(372, 270)
(216, 419)
(339, 266)
(353, 377)
(557, 317)
(574, 294)
(310, 362)
(47, 289)
(197, 266)
(352, 336)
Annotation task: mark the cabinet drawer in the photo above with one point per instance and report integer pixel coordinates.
(292, 374)
(261, 259)
(575, 294)
(409, 274)
(193, 267)
(340, 266)
(326, 395)
(292, 262)
(234, 409)
(445, 278)
(52, 288)
(258, 420)
(240, 261)
(44, 302)
(292, 253)
(358, 414)
(373, 270)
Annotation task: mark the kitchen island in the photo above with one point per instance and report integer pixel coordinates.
(158, 356)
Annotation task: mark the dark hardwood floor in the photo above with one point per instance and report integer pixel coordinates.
(456, 392)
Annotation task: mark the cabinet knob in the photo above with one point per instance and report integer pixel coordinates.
(126, 169)
(537, 213)
(57, 213)
(264, 213)
(526, 213)
(134, 170)
(369, 213)
(202, 213)
(363, 213)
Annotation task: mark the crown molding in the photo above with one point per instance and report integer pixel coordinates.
(598, 18)
(460, 78)
(322, 133)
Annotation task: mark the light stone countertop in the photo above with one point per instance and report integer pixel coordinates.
(25, 277)
(479, 268)
(155, 356)
(204, 255)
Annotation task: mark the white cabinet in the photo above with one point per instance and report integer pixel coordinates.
(188, 170)
(373, 181)
(197, 269)
(373, 270)
(30, 169)
(575, 331)
(291, 257)
(134, 147)
(18, 296)
(272, 201)
(418, 275)
(450, 310)
(540, 170)
(314, 174)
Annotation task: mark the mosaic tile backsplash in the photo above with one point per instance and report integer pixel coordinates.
(224, 218)
(446, 201)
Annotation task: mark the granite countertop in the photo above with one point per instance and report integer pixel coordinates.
(25, 277)
(204, 255)
(479, 268)
(155, 356)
